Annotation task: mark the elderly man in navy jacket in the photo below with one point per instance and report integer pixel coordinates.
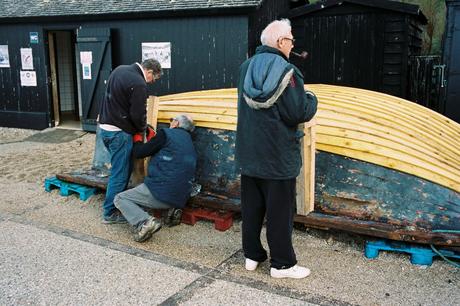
(123, 114)
(271, 104)
(168, 183)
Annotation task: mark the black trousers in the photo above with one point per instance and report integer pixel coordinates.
(276, 200)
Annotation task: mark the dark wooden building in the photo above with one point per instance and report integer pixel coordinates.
(56, 57)
(359, 43)
(451, 59)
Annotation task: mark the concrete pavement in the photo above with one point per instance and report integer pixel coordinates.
(45, 265)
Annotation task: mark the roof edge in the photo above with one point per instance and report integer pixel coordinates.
(182, 12)
(412, 9)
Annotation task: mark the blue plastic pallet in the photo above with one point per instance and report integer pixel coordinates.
(68, 188)
(419, 255)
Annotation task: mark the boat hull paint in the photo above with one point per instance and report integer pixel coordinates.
(343, 187)
(364, 191)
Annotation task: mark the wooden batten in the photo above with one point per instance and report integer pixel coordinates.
(140, 165)
(306, 178)
(54, 85)
(153, 104)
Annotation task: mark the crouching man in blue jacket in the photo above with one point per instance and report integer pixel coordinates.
(169, 176)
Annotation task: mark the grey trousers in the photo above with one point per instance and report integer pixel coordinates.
(129, 202)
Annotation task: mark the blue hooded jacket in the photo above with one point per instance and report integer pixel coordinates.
(271, 103)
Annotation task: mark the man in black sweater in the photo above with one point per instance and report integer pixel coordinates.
(123, 114)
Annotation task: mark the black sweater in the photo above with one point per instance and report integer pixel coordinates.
(124, 103)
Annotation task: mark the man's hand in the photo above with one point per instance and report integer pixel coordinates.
(138, 138)
(150, 132)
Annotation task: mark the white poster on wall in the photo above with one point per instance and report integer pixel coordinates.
(161, 51)
(28, 78)
(4, 57)
(27, 60)
(86, 57)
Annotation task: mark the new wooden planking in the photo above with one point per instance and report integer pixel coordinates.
(412, 130)
(354, 122)
(416, 148)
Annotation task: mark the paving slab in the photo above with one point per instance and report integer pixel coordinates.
(229, 293)
(41, 267)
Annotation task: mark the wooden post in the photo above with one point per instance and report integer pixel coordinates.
(153, 104)
(54, 85)
(306, 178)
(140, 165)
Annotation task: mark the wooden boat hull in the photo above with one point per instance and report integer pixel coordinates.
(377, 172)
(385, 167)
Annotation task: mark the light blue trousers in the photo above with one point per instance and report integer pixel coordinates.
(130, 204)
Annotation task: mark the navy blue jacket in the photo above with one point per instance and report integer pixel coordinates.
(172, 166)
(124, 103)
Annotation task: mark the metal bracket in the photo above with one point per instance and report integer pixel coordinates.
(443, 68)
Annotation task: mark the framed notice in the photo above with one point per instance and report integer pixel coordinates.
(28, 78)
(86, 57)
(161, 51)
(27, 60)
(4, 57)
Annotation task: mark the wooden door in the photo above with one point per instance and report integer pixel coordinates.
(95, 63)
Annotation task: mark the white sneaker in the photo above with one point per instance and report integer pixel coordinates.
(293, 272)
(251, 265)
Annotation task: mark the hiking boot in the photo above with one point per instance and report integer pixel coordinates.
(114, 218)
(250, 264)
(172, 217)
(146, 230)
(293, 272)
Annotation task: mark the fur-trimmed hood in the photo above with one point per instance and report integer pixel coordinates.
(267, 76)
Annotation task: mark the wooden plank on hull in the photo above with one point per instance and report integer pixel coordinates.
(350, 123)
(391, 148)
(306, 179)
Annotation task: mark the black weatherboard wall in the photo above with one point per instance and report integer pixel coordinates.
(17, 100)
(451, 58)
(209, 40)
(365, 44)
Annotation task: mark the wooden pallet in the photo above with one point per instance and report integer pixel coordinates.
(222, 220)
(66, 188)
(419, 255)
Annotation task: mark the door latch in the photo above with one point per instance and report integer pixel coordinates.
(442, 68)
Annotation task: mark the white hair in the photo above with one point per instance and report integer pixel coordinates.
(186, 122)
(274, 31)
